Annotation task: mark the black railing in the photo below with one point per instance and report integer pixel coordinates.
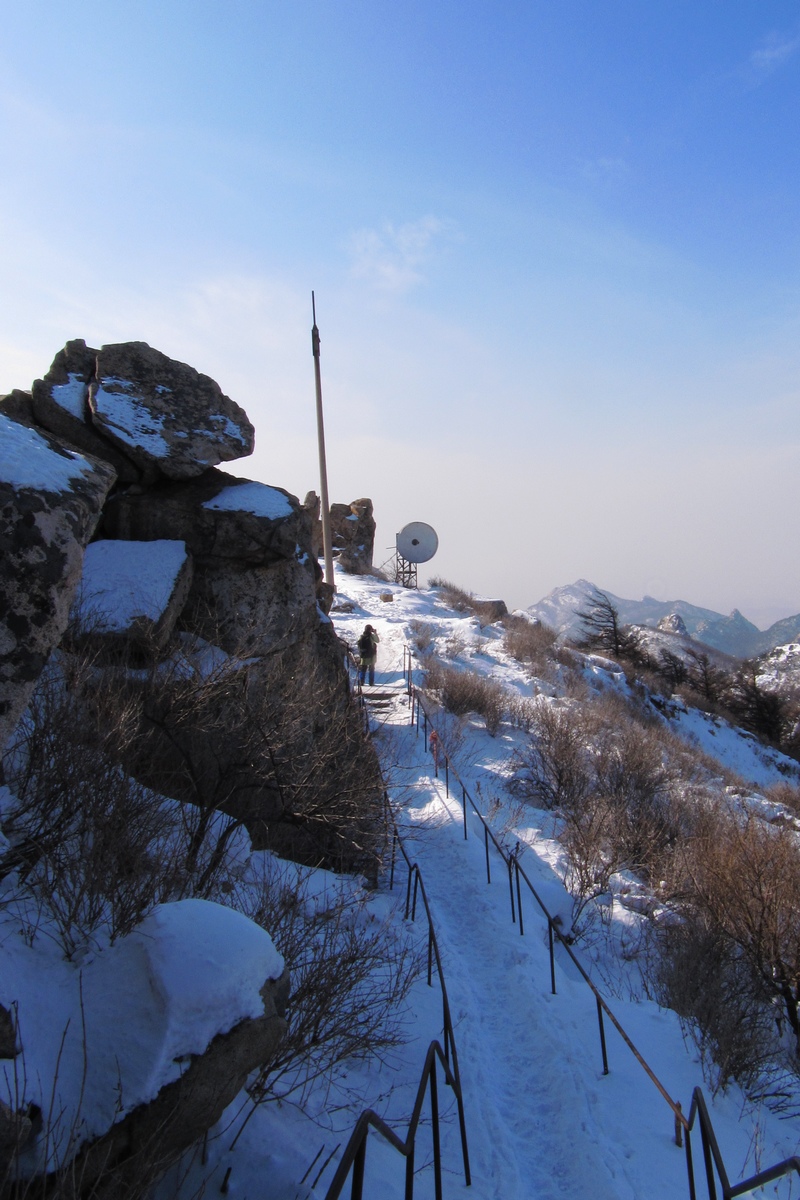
(354, 1155)
(516, 876)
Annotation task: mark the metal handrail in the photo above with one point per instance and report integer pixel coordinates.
(711, 1152)
(354, 1155)
(355, 1152)
(713, 1157)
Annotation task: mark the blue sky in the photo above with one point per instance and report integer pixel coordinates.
(555, 248)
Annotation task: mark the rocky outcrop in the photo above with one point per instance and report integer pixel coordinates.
(243, 572)
(673, 623)
(353, 534)
(219, 517)
(60, 404)
(50, 503)
(165, 416)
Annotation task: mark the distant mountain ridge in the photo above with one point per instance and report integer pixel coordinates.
(733, 634)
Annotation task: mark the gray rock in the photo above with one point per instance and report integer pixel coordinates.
(167, 417)
(312, 506)
(50, 502)
(18, 406)
(133, 591)
(353, 534)
(253, 610)
(673, 623)
(61, 406)
(219, 517)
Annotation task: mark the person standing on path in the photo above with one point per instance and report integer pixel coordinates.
(367, 654)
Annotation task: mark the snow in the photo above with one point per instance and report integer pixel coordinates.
(229, 428)
(257, 498)
(100, 1039)
(542, 1118)
(126, 413)
(123, 581)
(71, 396)
(28, 461)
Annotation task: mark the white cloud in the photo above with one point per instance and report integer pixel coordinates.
(392, 258)
(774, 50)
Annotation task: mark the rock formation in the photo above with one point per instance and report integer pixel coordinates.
(353, 534)
(51, 498)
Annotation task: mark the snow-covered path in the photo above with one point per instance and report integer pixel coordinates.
(542, 1119)
(539, 1110)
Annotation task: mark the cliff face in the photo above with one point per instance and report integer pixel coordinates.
(116, 450)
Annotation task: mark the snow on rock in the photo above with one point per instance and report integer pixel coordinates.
(133, 582)
(257, 498)
(102, 1039)
(33, 460)
(167, 417)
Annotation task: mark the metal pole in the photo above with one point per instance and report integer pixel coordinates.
(325, 511)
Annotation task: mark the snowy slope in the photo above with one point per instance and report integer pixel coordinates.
(542, 1118)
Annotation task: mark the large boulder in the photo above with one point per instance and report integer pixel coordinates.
(50, 502)
(60, 404)
(167, 417)
(133, 591)
(220, 518)
(255, 577)
(138, 1051)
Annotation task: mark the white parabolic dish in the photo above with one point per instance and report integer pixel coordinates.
(417, 542)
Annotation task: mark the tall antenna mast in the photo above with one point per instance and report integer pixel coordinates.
(325, 512)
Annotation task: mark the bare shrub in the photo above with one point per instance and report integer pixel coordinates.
(349, 976)
(785, 793)
(588, 836)
(732, 966)
(554, 770)
(465, 691)
(462, 601)
(87, 841)
(530, 642)
(741, 880)
(422, 635)
(712, 988)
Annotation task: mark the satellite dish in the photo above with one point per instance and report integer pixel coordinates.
(417, 542)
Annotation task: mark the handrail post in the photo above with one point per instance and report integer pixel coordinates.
(357, 1186)
(486, 847)
(414, 903)
(690, 1165)
(712, 1187)
(430, 954)
(678, 1125)
(552, 956)
(519, 898)
(511, 890)
(602, 1035)
(409, 1192)
(411, 872)
(437, 1152)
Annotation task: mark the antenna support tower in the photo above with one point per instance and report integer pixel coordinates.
(405, 572)
(416, 543)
